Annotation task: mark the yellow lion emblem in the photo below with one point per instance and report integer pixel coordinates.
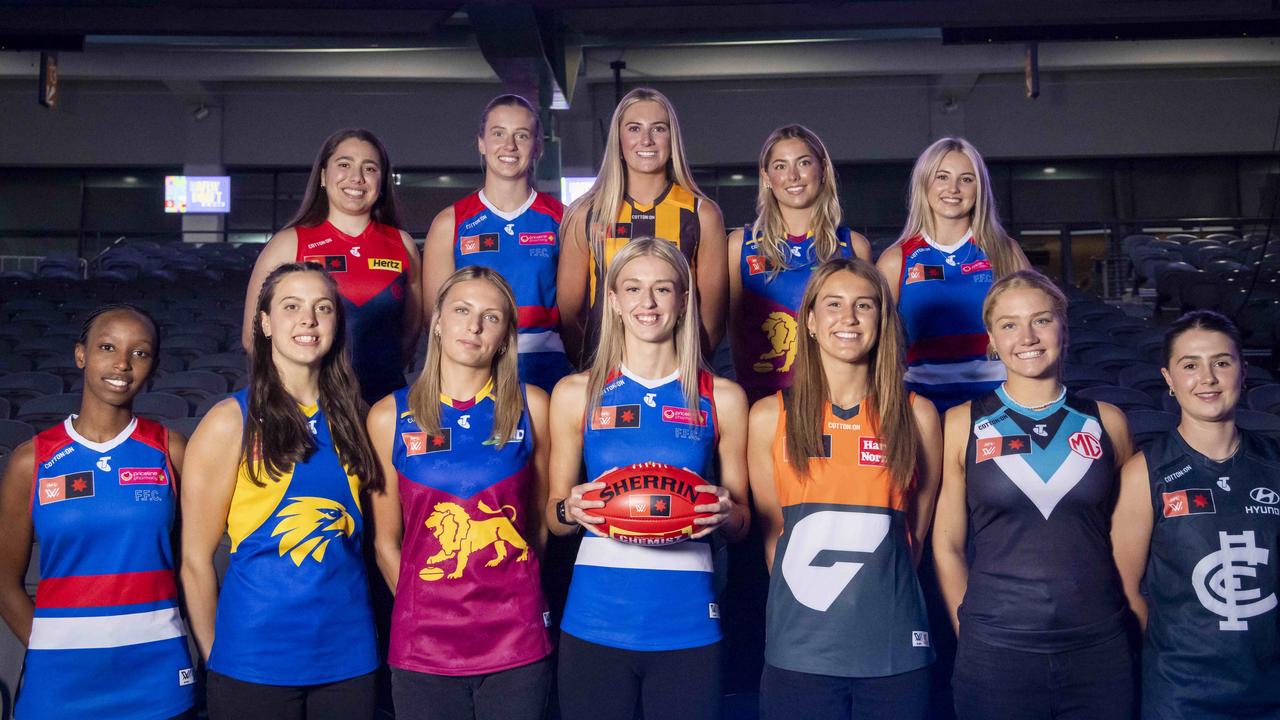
(307, 525)
(780, 329)
(460, 535)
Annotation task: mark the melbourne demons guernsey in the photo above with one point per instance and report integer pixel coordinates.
(764, 344)
(843, 618)
(372, 272)
(940, 295)
(1212, 650)
(637, 597)
(1040, 488)
(107, 602)
(294, 607)
(469, 599)
(523, 246)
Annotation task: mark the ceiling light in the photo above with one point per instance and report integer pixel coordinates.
(1050, 170)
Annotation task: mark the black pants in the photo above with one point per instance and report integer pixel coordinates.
(604, 683)
(231, 699)
(516, 694)
(790, 695)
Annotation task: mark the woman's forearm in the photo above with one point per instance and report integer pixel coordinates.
(18, 610)
(200, 590)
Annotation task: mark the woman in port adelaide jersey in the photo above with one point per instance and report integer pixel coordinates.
(98, 491)
(1195, 535)
(641, 624)
(845, 461)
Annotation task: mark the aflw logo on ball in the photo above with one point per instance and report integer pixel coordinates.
(645, 506)
(1086, 445)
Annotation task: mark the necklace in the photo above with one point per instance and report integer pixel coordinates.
(1061, 394)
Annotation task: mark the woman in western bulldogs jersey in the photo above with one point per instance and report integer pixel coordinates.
(280, 467)
(641, 623)
(1195, 535)
(99, 492)
(1021, 535)
(950, 251)
(509, 226)
(845, 461)
(349, 222)
(459, 529)
(797, 228)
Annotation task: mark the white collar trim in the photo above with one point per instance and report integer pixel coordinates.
(533, 195)
(99, 446)
(651, 384)
(948, 248)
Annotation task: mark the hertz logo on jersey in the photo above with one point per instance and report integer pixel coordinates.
(385, 264)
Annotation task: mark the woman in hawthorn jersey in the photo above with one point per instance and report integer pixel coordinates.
(99, 493)
(846, 460)
(512, 228)
(1195, 535)
(460, 530)
(279, 467)
(797, 228)
(349, 223)
(644, 189)
(640, 625)
(1021, 535)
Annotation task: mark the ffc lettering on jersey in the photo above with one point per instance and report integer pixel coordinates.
(307, 524)
(66, 487)
(143, 476)
(385, 264)
(920, 273)
(488, 242)
(1221, 580)
(541, 238)
(332, 263)
(1192, 501)
(460, 535)
(611, 417)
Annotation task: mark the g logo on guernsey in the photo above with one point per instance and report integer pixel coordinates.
(307, 524)
(460, 535)
(816, 581)
(780, 330)
(1218, 580)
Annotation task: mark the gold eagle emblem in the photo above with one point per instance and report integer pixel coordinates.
(307, 524)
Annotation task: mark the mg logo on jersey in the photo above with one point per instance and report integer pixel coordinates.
(104, 463)
(1086, 445)
(818, 564)
(1219, 578)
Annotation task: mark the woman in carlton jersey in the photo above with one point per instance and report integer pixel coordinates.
(512, 228)
(797, 228)
(641, 623)
(99, 493)
(1021, 535)
(349, 223)
(1195, 534)
(280, 467)
(846, 460)
(644, 189)
(460, 530)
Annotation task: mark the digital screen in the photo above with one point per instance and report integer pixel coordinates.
(197, 194)
(572, 188)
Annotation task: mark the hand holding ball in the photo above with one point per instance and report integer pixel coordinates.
(649, 504)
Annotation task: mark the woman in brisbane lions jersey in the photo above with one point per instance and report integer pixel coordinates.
(1021, 536)
(846, 460)
(459, 528)
(641, 623)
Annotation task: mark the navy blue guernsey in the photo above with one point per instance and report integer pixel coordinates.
(1211, 645)
(1040, 487)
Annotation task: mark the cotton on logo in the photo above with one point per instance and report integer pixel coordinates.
(817, 586)
(1086, 445)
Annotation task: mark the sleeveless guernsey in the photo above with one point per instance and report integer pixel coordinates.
(1211, 646)
(1040, 488)
(764, 346)
(635, 597)
(294, 607)
(372, 272)
(107, 602)
(940, 295)
(523, 246)
(843, 595)
(469, 600)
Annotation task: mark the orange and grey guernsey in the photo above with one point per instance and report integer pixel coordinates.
(844, 599)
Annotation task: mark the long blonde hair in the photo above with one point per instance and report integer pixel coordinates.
(891, 417)
(769, 230)
(609, 351)
(984, 221)
(424, 396)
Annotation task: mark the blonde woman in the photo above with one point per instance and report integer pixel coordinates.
(644, 189)
(642, 622)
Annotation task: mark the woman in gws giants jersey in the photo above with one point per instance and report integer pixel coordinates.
(98, 491)
(644, 189)
(950, 251)
(845, 460)
(797, 228)
(509, 226)
(1195, 535)
(641, 624)
(349, 222)
(280, 467)
(1021, 539)
(459, 525)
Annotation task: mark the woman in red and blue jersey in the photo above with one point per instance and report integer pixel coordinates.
(99, 493)
(509, 226)
(641, 622)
